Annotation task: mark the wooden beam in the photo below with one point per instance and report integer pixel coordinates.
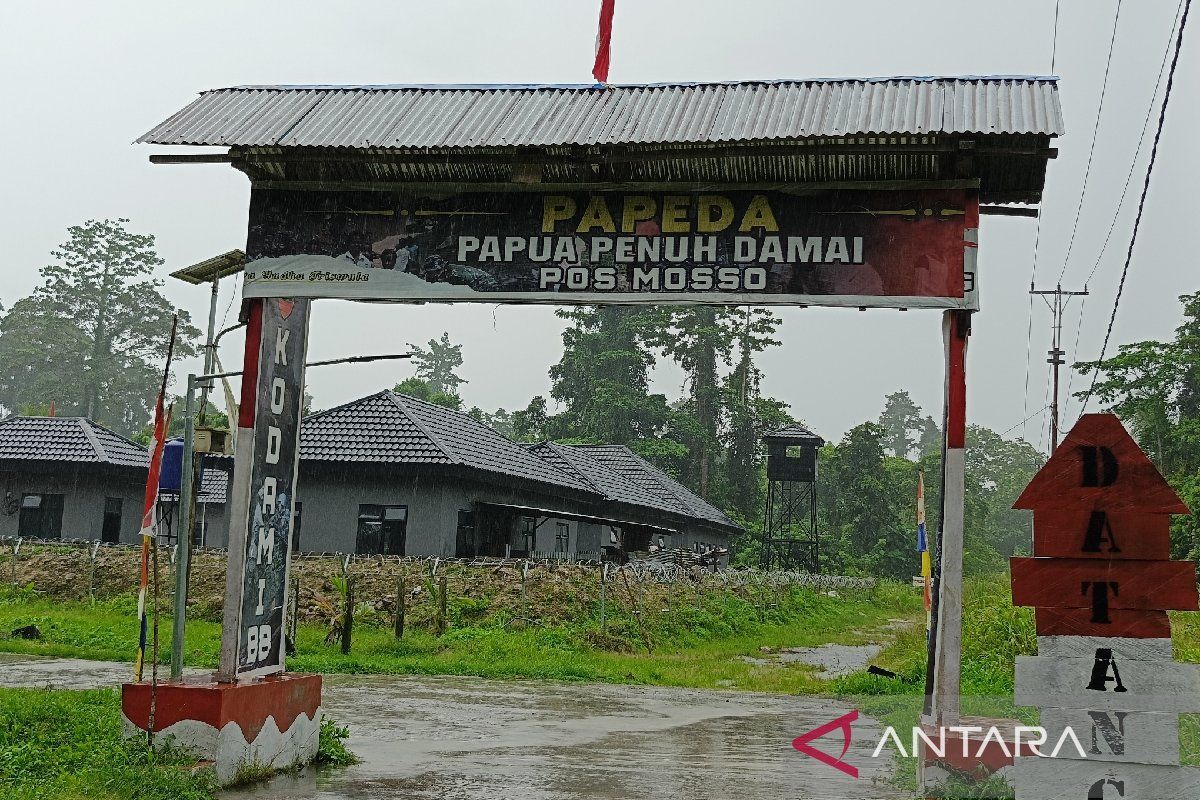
(1078, 622)
(1159, 686)
(192, 158)
(1008, 211)
(1064, 533)
(1129, 737)
(1054, 779)
(411, 187)
(1122, 648)
(1104, 584)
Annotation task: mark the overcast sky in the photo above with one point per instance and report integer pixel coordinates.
(82, 84)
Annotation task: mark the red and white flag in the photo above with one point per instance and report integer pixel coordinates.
(162, 424)
(603, 42)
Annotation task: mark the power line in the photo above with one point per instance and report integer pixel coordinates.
(1162, 68)
(1087, 173)
(1037, 241)
(1137, 222)
(1022, 422)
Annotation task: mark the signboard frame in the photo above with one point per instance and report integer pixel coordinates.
(264, 243)
(895, 247)
(266, 467)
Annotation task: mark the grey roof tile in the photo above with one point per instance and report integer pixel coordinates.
(69, 439)
(624, 461)
(398, 429)
(606, 480)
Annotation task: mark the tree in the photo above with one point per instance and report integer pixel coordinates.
(603, 378)
(1154, 387)
(699, 339)
(901, 423)
(93, 337)
(749, 415)
(424, 390)
(499, 420)
(437, 363)
(529, 425)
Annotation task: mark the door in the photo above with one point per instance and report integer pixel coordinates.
(110, 531)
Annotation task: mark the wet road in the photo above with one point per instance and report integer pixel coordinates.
(455, 738)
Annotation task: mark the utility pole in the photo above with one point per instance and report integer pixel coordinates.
(1056, 305)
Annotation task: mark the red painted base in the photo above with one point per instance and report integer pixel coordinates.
(981, 760)
(281, 697)
(271, 722)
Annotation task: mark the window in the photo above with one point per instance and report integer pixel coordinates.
(296, 517)
(41, 516)
(562, 537)
(381, 530)
(110, 530)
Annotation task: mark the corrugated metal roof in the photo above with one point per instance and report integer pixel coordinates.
(426, 117)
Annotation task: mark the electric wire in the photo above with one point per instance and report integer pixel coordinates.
(1022, 422)
(1087, 172)
(1162, 68)
(1037, 239)
(1137, 221)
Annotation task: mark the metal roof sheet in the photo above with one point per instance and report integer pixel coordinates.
(424, 117)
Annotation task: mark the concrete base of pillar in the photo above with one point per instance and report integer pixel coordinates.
(982, 761)
(269, 724)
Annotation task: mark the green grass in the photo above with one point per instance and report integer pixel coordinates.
(67, 745)
(698, 643)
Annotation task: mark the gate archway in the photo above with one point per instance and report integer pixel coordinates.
(851, 193)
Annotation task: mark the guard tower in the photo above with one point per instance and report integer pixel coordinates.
(790, 527)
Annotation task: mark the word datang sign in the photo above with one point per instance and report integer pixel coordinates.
(836, 248)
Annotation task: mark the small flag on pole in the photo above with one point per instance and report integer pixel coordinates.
(603, 41)
(162, 424)
(923, 549)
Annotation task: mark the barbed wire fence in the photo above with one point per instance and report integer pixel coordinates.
(434, 593)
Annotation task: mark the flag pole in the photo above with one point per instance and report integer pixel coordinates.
(149, 523)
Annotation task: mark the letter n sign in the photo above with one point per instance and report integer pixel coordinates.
(264, 488)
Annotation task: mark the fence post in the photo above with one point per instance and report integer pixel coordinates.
(16, 552)
(348, 616)
(603, 592)
(293, 618)
(401, 600)
(92, 552)
(440, 626)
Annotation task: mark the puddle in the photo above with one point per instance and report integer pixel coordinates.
(454, 738)
(829, 660)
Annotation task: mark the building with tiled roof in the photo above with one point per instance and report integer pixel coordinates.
(386, 474)
(392, 474)
(69, 478)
